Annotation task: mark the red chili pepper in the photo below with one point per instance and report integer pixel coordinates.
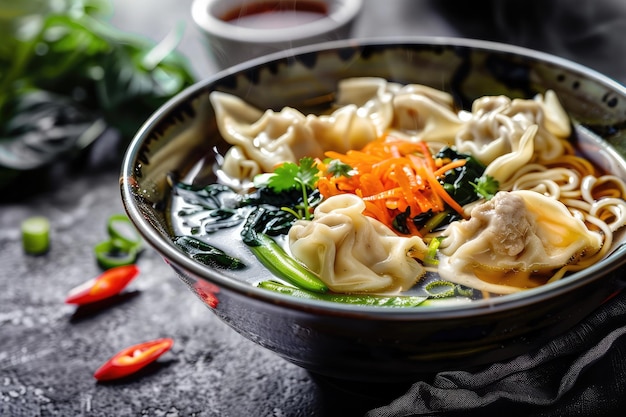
(132, 359)
(107, 284)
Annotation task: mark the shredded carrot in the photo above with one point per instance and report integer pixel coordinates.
(427, 156)
(393, 176)
(450, 166)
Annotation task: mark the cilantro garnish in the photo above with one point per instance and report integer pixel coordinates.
(302, 177)
(486, 186)
(338, 168)
(284, 177)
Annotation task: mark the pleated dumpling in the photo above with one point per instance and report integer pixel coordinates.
(411, 112)
(237, 166)
(496, 125)
(513, 242)
(266, 138)
(373, 97)
(346, 128)
(355, 253)
(426, 113)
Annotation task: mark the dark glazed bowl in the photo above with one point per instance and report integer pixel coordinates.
(369, 343)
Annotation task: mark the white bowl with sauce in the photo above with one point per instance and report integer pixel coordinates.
(238, 30)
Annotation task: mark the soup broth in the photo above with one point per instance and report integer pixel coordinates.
(186, 220)
(402, 193)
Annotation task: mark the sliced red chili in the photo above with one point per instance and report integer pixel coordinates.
(132, 359)
(107, 284)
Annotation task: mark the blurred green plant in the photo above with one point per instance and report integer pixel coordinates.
(66, 73)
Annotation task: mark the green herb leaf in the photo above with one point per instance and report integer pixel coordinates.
(284, 177)
(291, 176)
(307, 173)
(338, 168)
(68, 50)
(486, 186)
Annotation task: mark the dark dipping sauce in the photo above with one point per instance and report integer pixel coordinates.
(276, 14)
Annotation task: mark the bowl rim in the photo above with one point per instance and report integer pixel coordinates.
(168, 251)
(338, 16)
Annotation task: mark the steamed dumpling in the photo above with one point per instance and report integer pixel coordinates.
(368, 108)
(496, 125)
(267, 139)
(411, 112)
(510, 237)
(264, 138)
(424, 118)
(505, 166)
(346, 128)
(355, 253)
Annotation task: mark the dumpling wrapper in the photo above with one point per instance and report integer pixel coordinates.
(496, 123)
(412, 112)
(369, 107)
(510, 237)
(266, 138)
(352, 252)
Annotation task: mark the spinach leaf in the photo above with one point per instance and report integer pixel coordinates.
(458, 182)
(465, 184)
(213, 207)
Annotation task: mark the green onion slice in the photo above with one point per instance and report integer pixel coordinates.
(433, 247)
(440, 289)
(36, 235)
(123, 235)
(109, 255)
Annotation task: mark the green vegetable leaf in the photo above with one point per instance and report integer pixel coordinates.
(284, 177)
(67, 50)
(486, 186)
(338, 168)
(207, 254)
(291, 176)
(307, 174)
(354, 299)
(431, 255)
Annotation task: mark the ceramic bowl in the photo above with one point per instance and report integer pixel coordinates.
(368, 343)
(229, 44)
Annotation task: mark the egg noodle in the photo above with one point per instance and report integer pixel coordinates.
(554, 211)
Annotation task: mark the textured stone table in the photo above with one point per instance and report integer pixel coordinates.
(49, 350)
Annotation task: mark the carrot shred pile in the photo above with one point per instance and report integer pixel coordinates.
(391, 176)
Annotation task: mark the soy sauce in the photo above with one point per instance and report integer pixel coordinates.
(276, 14)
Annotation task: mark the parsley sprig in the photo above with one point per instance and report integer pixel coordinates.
(302, 177)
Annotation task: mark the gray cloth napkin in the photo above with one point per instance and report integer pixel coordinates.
(581, 373)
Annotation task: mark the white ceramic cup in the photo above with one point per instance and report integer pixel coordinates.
(229, 44)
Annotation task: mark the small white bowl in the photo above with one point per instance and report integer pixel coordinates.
(230, 44)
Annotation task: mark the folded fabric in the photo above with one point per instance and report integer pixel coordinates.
(580, 373)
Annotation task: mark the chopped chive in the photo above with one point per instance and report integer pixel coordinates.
(36, 235)
(355, 299)
(109, 255)
(440, 289)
